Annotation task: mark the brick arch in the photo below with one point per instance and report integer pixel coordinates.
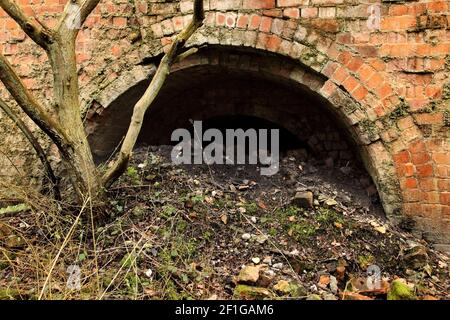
(354, 72)
(337, 100)
(314, 44)
(398, 73)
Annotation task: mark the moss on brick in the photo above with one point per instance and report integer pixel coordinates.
(401, 111)
(446, 91)
(446, 114)
(369, 128)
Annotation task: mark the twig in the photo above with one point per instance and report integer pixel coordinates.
(66, 240)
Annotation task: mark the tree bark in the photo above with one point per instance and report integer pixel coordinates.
(37, 32)
(67, 131)
(66, 99)
(120, 164)
(30, 106)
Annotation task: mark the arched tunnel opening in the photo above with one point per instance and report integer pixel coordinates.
(232, 98)
(288, 140)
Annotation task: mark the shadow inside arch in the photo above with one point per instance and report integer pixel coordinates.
(220, 82)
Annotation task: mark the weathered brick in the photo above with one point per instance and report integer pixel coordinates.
(420, 158)
(291, 3)
(259, 4)
(441, 158)
(327, 12)
(402, 157)
(427, 118)
(277, 26)
(266, 24)
(309, 12)
(243, 21)
(425, 170)
(408, 183)
(120, 22)
(445, 198)
(293, 13)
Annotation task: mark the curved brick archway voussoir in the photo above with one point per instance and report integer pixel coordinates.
(309, 44)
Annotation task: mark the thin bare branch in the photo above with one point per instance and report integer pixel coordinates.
(37, 147)
(30, 106)
(86, 9)
(36, 31)
(185, 55)
(119, 165)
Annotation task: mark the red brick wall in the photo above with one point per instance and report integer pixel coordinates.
(395, 78)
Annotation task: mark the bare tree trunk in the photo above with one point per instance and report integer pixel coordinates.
(67, 131)
(66, 97)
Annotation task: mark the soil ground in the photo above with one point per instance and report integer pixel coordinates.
(219, 232)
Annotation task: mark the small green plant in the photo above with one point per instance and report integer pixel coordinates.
(288, 212)
(133, 283)
(365, 261)
(168, 211)
(326, 216)
(401, 111)
(118, 206)
(181, 226)
(128, 260)
(197, 199)
(14, 209)
(154, 159)
(446, 91)
(446, 118)
(266, 219)
(272, 232)
(302, 231)
(207, 235)
(369, 128)
(133, 174)
(251, 208)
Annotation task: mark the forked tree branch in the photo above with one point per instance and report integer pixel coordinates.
(121, 163)
(37, 32)
(37, 147)
(60, 135)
